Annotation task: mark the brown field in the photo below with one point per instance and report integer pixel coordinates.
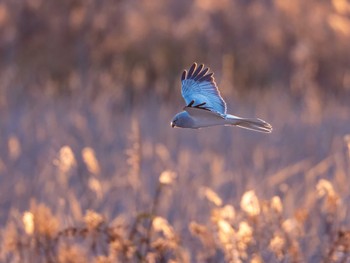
(91, 171)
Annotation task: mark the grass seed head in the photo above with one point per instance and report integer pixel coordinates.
(227, 213)
(14, 147)
(212, 196)
(96, 187)
(90, 160)
(325, 188)
(291, 226)
(66, 159)
(45, 223)
(250, 203)
(277, 244)
(93, 220)
(245, 232)
(28, 222)
(167, 177)
(225, 232)
(160, 224)
(276, 204)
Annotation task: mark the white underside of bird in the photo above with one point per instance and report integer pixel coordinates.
(205, 107)
(200, 118)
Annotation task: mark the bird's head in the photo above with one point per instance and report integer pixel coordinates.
(182, 120)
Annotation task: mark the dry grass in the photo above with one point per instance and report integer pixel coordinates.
(91, 171)
(101, 186)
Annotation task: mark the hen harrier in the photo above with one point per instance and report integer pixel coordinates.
(205, 107)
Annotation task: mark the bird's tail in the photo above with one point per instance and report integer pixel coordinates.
(250, 124)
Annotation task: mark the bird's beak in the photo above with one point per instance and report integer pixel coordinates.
(172, 124)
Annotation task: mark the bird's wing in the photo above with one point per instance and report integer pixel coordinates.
(202, 112)
(198, 87)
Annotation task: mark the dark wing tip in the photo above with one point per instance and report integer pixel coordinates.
(184, 73)
(201, 74)
(190, 72)
(198, 70)
(208, 77)
(198, 73)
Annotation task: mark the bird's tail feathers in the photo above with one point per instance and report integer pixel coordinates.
(249, 123)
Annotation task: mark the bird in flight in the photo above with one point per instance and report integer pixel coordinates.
(205, 106)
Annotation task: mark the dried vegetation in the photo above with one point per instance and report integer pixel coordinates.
(90, 170)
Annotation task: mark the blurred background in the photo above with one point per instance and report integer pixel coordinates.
(88, 89)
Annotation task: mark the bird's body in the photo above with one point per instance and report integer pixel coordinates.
(197, 118)
(205, 107)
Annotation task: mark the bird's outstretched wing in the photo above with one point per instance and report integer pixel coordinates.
(202, 112)
(199, 87)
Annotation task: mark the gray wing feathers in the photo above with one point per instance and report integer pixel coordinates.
(199, 86)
